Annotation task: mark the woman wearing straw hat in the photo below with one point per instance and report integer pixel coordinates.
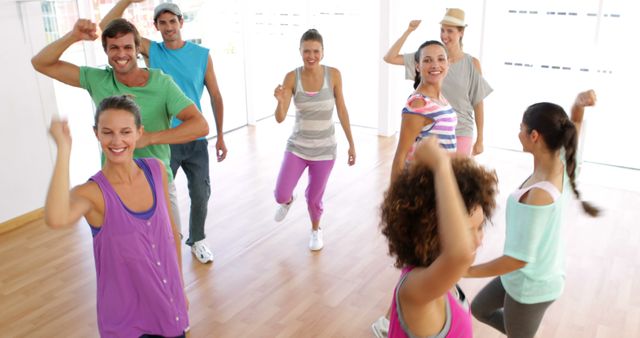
(464, 87)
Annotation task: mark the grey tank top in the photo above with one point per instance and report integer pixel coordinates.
(313, 136)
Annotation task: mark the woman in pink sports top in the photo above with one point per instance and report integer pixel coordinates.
(432, 216)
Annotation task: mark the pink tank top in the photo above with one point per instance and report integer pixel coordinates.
(457, 322)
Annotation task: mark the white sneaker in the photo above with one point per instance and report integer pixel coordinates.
(283, 209)
(315, 242)
(380, 327)
(202, 252)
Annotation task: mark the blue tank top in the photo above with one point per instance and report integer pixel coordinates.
(187, 66)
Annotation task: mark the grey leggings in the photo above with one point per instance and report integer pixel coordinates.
(493, 306)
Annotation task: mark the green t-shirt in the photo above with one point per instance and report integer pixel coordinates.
(534, 235)
(159, 99)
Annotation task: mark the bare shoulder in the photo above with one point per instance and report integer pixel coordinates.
(334, 72)
(537, 196)
(290, 77)
(476, 64)
(89, 191)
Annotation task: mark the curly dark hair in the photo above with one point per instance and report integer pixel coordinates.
(409, 216)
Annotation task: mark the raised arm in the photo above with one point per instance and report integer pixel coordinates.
(192, 127)
(393, 55)
(62, 207)
(343, 115)
(584, 99)
(283, 94)
(218, 109)
(115, 13)
(456, 240)
(48, 62)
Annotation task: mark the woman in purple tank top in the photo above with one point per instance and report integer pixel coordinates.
(140, 290)
(433, 216)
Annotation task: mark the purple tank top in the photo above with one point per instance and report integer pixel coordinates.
(457, 323)
(139, 284)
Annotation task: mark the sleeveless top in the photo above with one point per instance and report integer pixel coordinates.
(139, 287)
(187, 66)
(457, 322)
(313, 136)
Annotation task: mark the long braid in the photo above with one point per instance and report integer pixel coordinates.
(558, 131)
(570, 135)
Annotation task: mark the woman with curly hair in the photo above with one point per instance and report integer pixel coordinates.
(433, 216)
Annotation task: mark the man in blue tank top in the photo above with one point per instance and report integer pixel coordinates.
(191, 67)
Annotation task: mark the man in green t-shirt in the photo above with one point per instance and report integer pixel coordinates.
(158, 96)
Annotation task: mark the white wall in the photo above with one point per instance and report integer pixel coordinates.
(26, 109)
(548, 51)
(269, 51)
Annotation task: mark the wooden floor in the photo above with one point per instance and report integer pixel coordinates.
(266, 283)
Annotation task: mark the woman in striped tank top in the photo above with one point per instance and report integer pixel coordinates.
(316, 89)
(427, 112)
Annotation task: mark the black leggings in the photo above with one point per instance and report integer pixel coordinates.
(493, 306)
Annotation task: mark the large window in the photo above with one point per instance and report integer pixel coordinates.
(530, 51)
(548, 51)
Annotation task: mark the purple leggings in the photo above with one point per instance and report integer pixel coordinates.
(290, 172)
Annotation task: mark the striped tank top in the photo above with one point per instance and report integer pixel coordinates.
(313, 136)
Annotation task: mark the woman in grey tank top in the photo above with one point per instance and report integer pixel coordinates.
(316, 89)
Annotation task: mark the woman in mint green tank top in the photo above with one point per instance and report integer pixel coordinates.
(531, 270)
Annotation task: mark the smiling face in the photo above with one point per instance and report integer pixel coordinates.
(117, 133)
(312, 53)
(122, 53)
(451, 36)
(169, 25)
(433, 64)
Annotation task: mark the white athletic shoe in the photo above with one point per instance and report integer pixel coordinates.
(380, 327)
(202, 252)
(315, 241)
(283, 209)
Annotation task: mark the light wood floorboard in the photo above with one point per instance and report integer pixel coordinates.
(266, 283)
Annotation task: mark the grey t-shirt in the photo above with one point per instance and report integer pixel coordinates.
(463, 87)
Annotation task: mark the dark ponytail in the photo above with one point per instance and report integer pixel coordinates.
(557, 130)
(416, 80)
(416, 57)
(312, 35)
